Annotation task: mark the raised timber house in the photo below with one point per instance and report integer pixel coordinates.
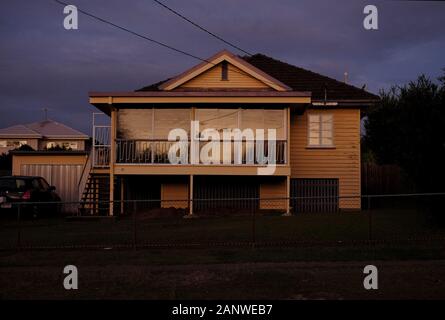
(307, 159)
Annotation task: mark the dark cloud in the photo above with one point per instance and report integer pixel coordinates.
(43, 65)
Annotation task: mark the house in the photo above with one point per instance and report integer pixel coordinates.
(308, 158)
(42, 135)
(58, 155)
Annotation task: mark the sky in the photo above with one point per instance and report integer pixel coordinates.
(43, 65)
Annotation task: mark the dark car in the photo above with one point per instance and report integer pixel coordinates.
(28, 189)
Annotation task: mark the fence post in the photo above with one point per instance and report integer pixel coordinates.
(134, 230)
(370, 237)
(19, 229)
(253, 228)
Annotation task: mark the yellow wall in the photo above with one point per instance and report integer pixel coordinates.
(236, 79)
(342, 162)
(273, 188)
(174, 191)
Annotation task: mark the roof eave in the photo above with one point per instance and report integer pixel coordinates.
(226, 93)
(19, 136)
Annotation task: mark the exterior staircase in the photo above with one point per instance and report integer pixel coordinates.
(96, 196)
(94, 183)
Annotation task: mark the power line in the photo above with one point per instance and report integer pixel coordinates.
(200, 27)
(133, 32)
(148, 38)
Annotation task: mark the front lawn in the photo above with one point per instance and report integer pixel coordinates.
(228, 230)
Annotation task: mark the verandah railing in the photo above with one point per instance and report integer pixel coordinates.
(156, 151)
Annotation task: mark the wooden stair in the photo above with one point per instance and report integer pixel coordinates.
(96, 196)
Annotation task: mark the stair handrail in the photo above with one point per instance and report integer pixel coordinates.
(84, 176)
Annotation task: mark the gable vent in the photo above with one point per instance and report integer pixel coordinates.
(224, 70)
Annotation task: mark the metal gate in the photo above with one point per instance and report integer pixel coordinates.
(225, 194)
(314, 195)
(64, 177)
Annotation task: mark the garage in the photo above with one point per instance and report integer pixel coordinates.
(61, 169)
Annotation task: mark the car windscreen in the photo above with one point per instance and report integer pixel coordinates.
(13, 184)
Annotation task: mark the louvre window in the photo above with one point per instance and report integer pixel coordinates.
(151, 123)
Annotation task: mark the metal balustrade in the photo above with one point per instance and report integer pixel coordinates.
(156, 151)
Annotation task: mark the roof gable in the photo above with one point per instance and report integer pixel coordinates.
(212, 79)
(208, 75)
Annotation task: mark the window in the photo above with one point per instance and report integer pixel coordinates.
(12, 143)
(43, 185)
(320, 130)
(168, 119)
(135, 124)
(265, 119)
(218, 119)
(12, 184)
(144, 124)
(67, 145)
(35, 184)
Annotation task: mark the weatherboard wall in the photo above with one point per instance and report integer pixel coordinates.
(342, 161)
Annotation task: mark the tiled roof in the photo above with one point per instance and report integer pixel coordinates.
(153, 86)
(46, 128)
(19, 131)
(299, 79)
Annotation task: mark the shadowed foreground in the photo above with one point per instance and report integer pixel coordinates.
(116, 274)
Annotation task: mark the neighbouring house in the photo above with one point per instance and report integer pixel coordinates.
(59, 155)
(316, 150)
(42, 135)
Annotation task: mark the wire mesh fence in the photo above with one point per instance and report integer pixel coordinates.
(255, 222)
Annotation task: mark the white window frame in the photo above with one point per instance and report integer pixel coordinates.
(320, 115)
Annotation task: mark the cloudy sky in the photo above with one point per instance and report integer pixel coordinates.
(44, 65)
